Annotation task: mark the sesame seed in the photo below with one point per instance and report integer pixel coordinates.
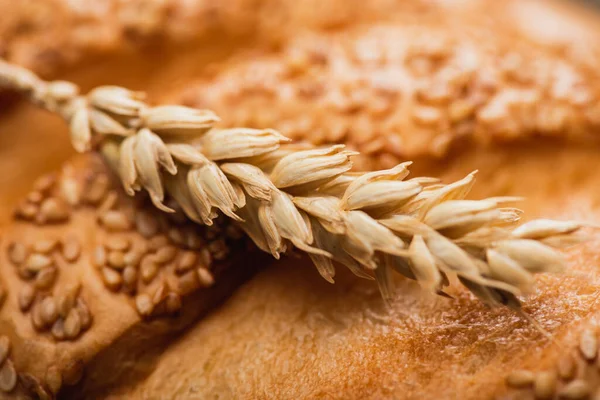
(72, 325)
(17, 253)
(544, 385)
(205, 277)
(85, 316)
(115, 221)
(172, 302)
(48, 310)
(188, 283)
(99, 256)
(58, 329)
(66, 300)
(160, 294)
(46, 277)
(567, 368)
(27, 211)
(146, 224)
(96, 190)
(35, 262)
(109, 203)
(4, 348)
(45, 246)
(157, 242)
(115, 242)
(187, 260)
(8, 376)
(194, 241)
(143, 304)
(133, 257)
(165, 254)
(130, 275)
(70, 191)
(71, 249)
(54, 210)
(576, 390)
(116, 259)
(26, 296)
(588, 344)
(205, 258)
(148, 269)
(45, 183)
(176, 236)
(112, 279)
(520, 378)
(35, 197)
(36, 318)
(53, 379)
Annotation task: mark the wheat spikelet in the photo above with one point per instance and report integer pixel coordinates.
(286, 194)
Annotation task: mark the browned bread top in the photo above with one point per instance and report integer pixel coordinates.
(420, 81)
(93, 280)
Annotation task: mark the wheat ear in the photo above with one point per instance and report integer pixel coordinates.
(286, 194)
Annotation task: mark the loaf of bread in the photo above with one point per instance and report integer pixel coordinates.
(94, 282)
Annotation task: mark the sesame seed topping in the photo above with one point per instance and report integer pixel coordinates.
(48, 310)
(26, 296)
(146, 224)
(588, 344)
(45, 246)
(8, 376)
(115, 221)
(520, 378)
(97, 190)
(116, 259)
(112, 279)
(72, 325)
(115, 242)
(17, 253)
(576, 390)
(143, 304)
(148, 269)
(165, 254)
(188, 282)
(205, 277)
(99, 256)
(27, 211)
(544, 385)
(35, 262)
(71, 249)
(58, 329)
(45, 183)
(157, 242)
(85, 316)
(46, 277)
(53, 210)
(567, 368)
(187, 260)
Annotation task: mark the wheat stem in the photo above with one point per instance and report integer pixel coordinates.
(286, 194)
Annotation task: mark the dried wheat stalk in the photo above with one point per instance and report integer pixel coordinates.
(285, 194)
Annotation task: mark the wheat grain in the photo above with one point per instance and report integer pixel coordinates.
(286, 194)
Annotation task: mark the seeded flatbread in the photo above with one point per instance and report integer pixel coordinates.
(94, 281)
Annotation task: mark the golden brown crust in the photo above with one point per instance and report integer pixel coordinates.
(47, 34)
(419, 81)
(303, 338)
(93, 279)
